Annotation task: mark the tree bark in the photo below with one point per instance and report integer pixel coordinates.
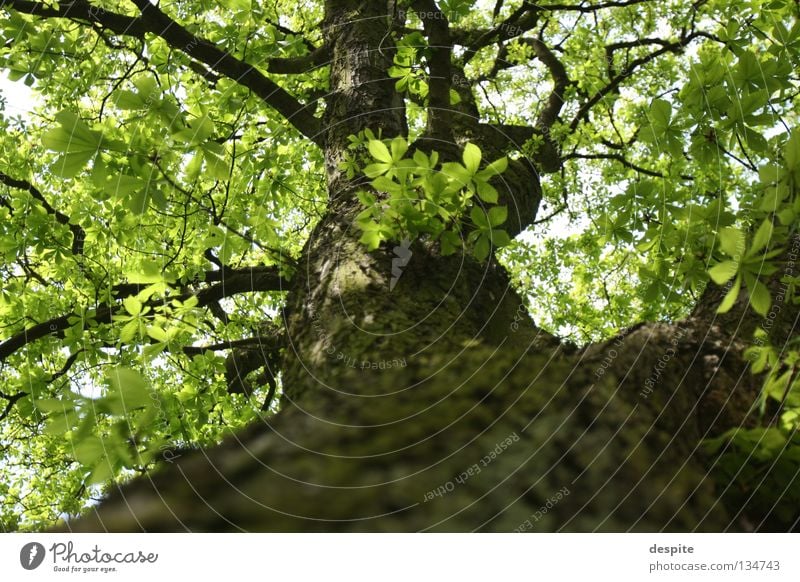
(478, 438)
(419, 395)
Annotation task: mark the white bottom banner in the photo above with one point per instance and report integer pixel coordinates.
(399, 557)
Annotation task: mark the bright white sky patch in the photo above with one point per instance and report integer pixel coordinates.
(20, 99)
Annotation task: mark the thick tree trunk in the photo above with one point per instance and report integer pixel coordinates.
(350, 307)
(473, 437)
(420, 395)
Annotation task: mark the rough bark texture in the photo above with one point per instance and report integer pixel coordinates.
(400, 393)
(367, 452)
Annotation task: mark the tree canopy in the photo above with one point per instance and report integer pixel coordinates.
(156, 207)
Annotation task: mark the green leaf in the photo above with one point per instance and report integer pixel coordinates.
(498, 215)
(495, 168)
(384, 184)
(478, 217)
(156, 197)
(123, 186)
(149, 273)
(711, 446)
(732, 241)
(371, 238)
(450, 242)
(375, 170)
(226, 251)
(457, 174)
(769, 173)
(202, 128)
(660, 114)
(500, 237)
(379, 151)
(472, 158)
(127, 100)
(754, 140)
(482, 248)
(421, 160)
(132, 305)
(54, 405)
(129, 331)
(131, 387)
(649, 135)
(762, 237)
(72, 136)
(157, 333)
(366, 198)
(773, 196)
(101, 473)
(59, 423)
(89, 450)
(730, 296)
(722, 272)
(139, 202)
(787, 216)
(399, 148)
(152, 350)
(751, 102)
(791, 152)
(217, 166)
(402, 83)
(16, 74)
(147, 87)
(236, 5)
(775, 388)
(760, 298)
(487, 192)
(68, 165)
(194, 167)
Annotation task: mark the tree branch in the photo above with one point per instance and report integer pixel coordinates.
(548, 158)
(233, 283)
(302, 64)
(67, 365)
(616, 157)
(543, 53)
(588, 7)
(507, 137)
(289, 32)
(561, 81)
(11, 400)
(156, 22)
(628, 44)
(670, 47)
(520, 21)
(78, 234)
(437, 29)
(82, 10)
(255, 354)
(248, 342)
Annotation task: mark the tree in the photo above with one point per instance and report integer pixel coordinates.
(275, 265)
